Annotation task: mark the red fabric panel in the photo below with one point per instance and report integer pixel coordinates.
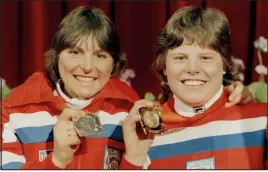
(33, 37)
(53, 13)
(261, 30)
(175, 5)
(24, 45)
(104, 5)
(138, 24)
(10, 42)
(36, 21)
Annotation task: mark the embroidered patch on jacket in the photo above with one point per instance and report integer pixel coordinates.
(112, 158)
(208, 163)
(43, 154)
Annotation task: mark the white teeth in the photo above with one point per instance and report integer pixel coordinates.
(193, 82)
(84, 79)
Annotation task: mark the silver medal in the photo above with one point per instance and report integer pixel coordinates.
(88, 126)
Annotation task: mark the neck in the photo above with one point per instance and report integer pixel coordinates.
(189, 111)
(71, 102)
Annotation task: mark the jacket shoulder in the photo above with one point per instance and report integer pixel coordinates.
(34, 89)
(254, 109)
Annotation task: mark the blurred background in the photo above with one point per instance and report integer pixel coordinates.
(27, 29)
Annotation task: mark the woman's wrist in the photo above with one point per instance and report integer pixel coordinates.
(136, 160)
(57, 162)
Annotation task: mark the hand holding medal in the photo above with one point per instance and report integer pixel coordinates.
(66, 141)
(150, 120)
(72, 124)
(137, 142)
(88, 125)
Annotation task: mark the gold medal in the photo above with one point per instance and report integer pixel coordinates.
(88, 126)
(151, 121)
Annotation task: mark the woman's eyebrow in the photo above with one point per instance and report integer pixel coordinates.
(78, 48)
(177, 53)
(208, 53)
(99, 51)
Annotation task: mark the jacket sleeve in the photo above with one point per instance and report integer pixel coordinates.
(12, 152)
(125, 165)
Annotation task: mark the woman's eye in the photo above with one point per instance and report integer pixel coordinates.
(74, 52)
(206, 58)
(180, 58)
(101, 56)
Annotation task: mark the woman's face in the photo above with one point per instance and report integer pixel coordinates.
(194, 74)
(85, 69)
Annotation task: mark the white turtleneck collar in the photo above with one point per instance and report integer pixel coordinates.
(73, 102)
(189, 111)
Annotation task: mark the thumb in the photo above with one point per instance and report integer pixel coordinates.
(230, 89)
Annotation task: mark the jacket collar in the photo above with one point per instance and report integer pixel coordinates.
(189, 111)
(37, 89)
(174, 120)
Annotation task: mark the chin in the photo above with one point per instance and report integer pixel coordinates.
(85, 96)
(193, 101)
(86, 93)
(196, 103)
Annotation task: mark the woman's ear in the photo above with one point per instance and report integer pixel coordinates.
(165, 72)
(225, 65)
(113, 69)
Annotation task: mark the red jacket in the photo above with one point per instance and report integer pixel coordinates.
(28, 118)
(219, 138)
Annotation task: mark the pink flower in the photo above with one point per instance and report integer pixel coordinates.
(261, 44)
(239, 62)
(3, 82)
(241, 76)
(261, 69)
(126, 75)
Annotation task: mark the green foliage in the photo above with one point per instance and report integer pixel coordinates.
(259, 89)
(159, 97)
(5, 91)
(150, 96)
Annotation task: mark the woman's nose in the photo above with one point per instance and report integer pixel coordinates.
(192, 67)
(86, 65)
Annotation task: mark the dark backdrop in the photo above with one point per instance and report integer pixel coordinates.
(27, 28)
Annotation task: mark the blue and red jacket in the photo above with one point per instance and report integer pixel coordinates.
(30, 113)
(219, 138)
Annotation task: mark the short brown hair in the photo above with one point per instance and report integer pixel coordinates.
(208, 28)
(79, 23)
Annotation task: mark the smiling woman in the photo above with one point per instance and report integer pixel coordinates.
(200, 132)
(44, 120)
(85, 67)
(190, 45)
(41, 119)
(195, 71)
(84, 53)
